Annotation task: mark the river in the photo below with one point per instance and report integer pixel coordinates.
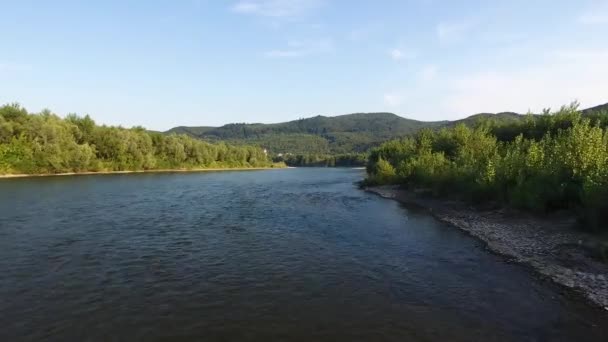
(295, 254)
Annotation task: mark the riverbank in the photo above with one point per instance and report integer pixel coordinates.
(548, 245)
(22, 175)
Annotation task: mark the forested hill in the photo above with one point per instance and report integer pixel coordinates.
(319, 134)
(333, 135)
(360, 122)
(596, 109)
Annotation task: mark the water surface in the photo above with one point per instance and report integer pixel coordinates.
(297, 254)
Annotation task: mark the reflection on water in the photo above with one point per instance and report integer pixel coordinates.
(297, 254)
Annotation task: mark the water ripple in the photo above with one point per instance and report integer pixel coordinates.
(294, 255)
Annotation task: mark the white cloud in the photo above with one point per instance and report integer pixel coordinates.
(363, 33)
(502, 38)
(284, 53)
(453, 32)
(566, 76)
(428, 73)
(597, 14)
(297, 48)
(277, 8)
(398, 54)
(357, 35)
(563, 76)
(393, 99)
(12, 67)
(594, 18)
(580, 55)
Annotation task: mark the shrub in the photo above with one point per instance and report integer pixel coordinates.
(542, 163)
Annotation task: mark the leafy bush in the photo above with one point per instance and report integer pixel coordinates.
(545, 163)
(45, 143)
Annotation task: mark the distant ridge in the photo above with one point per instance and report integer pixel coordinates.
(596, 109)
(337, 134)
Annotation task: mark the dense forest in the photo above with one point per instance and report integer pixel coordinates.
(352, 133)
(45, 143)
(333, 136)
(543, 163)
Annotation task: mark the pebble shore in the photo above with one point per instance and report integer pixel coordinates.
(549, 246)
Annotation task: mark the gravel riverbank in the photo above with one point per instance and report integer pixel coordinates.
(549, 245)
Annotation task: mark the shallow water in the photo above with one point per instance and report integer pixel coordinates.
(297, 254)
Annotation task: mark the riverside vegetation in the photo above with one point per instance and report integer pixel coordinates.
(44, 143)
(342, 140)
(542, 163)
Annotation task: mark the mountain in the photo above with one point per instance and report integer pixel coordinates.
(596, 109)
(504, 116)
(333, 135)
(192, 131)
(320, 134)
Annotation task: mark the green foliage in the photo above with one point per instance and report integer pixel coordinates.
(384, 172)
(554, 161)
(353, 133)
(295, 143)
(358, 133)
(45, 143)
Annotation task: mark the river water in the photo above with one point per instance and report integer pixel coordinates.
(296, 254)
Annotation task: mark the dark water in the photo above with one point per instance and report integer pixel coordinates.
(261, 255)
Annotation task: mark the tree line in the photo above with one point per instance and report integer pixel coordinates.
(352, 133)
(324, 160)
(543, 163)
(40, 143)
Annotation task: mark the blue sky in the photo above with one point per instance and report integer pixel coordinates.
(209, 62)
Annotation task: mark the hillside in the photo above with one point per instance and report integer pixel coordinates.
(595, 109)
(333, 135)
(319, 134)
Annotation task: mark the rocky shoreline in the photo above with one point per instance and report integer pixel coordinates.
(548, 245)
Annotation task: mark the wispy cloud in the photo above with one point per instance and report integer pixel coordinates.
(433, 93)
(399, 54)
(363, 33)
(594, 15)
(277, 8)
(502, 38)
(583, 76)
(428, 73)
(453, 32)
(593, 18)
(394, 99)
(423, 85)
(396, 54)
(284, 53)
(296, 48)
(12, 67)
(580, 55)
